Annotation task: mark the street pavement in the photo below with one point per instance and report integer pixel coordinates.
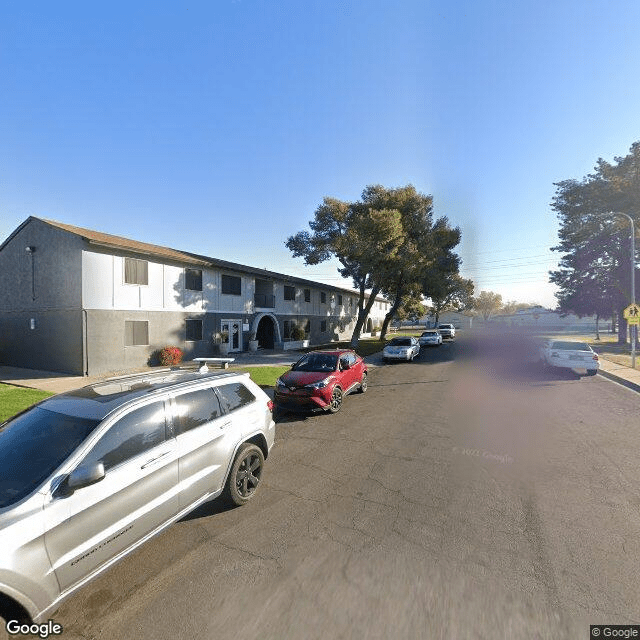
(460, 497)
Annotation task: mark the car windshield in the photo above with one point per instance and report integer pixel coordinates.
(429, 333)
(33, 445)
(400, 342)
(571, 346)
(444, 326)
(316, 362)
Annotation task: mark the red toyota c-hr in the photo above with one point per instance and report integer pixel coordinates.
(320, 380)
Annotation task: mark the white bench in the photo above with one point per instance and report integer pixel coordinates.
(222, 362)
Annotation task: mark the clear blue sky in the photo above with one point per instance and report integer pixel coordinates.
(218, 127)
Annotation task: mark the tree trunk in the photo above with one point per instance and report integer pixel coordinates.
(597, 327)
(363, 312)
(387, 319)
(622, 328)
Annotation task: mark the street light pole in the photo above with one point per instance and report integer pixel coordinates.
(633, 281)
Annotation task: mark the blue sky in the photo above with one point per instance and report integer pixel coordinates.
(218, 127)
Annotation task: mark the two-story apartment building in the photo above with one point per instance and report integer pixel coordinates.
(86, 302)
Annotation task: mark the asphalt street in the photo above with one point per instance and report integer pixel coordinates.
(463, 496)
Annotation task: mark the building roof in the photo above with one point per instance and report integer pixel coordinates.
(186, 257)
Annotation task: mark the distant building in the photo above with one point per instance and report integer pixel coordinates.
(86, 302)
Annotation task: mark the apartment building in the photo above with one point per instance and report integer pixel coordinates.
(86, 302)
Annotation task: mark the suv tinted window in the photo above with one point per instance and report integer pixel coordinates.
(33, 445)
(136, 432)
(234, 396)
(195, 408)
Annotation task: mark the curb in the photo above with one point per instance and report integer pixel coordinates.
(625, 383)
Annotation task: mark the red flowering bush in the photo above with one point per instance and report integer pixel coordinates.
(170, 355)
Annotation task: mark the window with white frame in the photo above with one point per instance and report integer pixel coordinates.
(193, 330)
(136, 271)
(193, 279)
(231, 285)
(136, 333)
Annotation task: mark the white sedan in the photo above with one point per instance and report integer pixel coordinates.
(430, 338)
(569, 355)
(401, 349)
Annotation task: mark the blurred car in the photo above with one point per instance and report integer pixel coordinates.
(569, 355)
(320, 380)
(90, 475)
(401, 349)
(430, 338)
(447, 331)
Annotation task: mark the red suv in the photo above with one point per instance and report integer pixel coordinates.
(320, 380)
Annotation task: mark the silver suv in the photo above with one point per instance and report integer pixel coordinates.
(88, 476)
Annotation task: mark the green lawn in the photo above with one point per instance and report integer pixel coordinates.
(16, 399)
(264, 376)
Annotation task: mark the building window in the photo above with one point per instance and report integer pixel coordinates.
(307, 327)
(339, 299)
(232, 285)
(323, 297)
(288, 329)
(323, 326)
(289, 293)
(193, 279)
(350, 303)
(136, 333)
(307, 295)
(136, 271)
(193, 330)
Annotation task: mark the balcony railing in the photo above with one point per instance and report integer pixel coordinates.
(264, 300)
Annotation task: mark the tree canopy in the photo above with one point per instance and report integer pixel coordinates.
(384, 242)
(448, 292)
(487, 303)
(594, 274)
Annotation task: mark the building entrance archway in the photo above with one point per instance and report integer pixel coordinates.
(267, 331)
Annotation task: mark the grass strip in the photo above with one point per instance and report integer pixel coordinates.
(16, 399)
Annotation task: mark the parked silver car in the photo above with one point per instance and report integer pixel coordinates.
(401, 349)
(88, 476)
(430, 338)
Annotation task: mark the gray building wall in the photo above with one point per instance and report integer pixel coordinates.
(43, 286)
(54, 344)
(57, 269)
(105, 338)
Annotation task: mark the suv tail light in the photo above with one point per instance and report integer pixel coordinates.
(270, 405)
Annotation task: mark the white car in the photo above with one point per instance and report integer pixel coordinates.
(447, 331)
(401, 349)
(569, 355)
(430, 338)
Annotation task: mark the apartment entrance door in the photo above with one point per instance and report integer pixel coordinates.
(234, 329)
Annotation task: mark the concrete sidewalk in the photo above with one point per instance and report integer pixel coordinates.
(620, 373)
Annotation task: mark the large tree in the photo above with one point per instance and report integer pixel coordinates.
(382, 242)
(594, 274)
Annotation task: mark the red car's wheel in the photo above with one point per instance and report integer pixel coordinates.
(363, 383)
(336, 400)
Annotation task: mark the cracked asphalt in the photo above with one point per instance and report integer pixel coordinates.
(457, 498)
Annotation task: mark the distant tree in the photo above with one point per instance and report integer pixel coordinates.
(449, 292)
(509, 308)
(593, 277)
(487, 303)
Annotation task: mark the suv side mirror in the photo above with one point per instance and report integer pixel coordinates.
(84, 475)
